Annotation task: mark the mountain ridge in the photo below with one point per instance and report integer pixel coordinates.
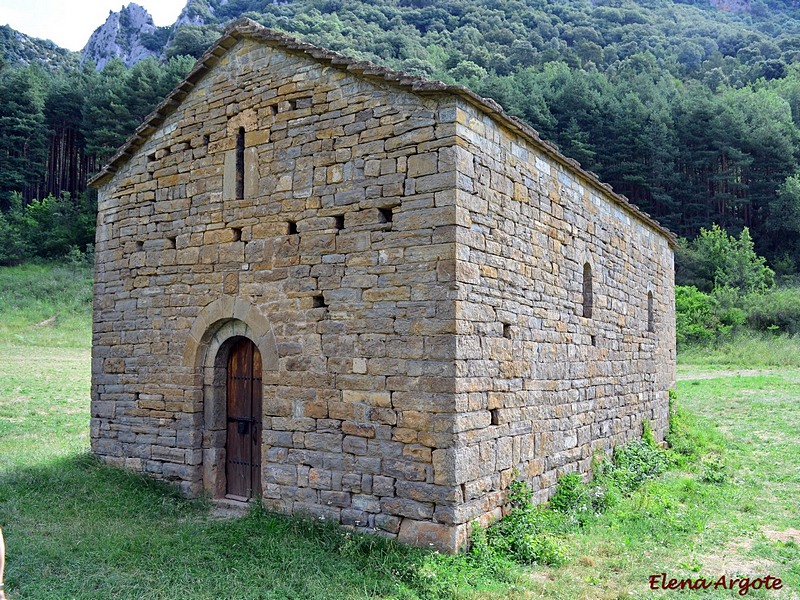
(17, 49)
(121, 36)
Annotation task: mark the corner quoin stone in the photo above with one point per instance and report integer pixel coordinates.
(412, 265)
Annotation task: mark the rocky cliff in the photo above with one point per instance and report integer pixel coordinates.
(126, 35)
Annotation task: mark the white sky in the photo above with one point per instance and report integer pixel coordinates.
(69, 23)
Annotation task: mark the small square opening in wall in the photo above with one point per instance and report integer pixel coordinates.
(151, 157)
(139, 246)
(171, 242)
(291, 227)
(339, 222)
(385, 214)
(273, 109)
(319, 301)
(237, 233)
(507, 331)
(291, 104)
(495, 416)
(206, 140)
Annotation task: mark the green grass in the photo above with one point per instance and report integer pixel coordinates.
(78, 529)
(46, 305)
(744, 350)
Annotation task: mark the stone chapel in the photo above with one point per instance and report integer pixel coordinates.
(345, 291)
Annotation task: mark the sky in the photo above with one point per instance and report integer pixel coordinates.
(69, 23)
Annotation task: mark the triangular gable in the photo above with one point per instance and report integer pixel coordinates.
(246, 28)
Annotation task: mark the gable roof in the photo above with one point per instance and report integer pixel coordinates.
(245, 28)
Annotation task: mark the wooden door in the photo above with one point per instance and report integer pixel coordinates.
(243, 446)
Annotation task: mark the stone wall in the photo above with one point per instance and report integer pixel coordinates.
(540, 387)
(411, 274)
(342, 249)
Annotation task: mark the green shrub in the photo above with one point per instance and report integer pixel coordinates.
(695, 316)
(572, 494)
(715, 471)
(527, 535)
(716, 259)
(775, 310)
(634, 463)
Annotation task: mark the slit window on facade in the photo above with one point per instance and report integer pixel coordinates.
(588, 300)
(651, 317)
(240, 164)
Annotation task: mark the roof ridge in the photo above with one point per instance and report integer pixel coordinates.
(246, 27)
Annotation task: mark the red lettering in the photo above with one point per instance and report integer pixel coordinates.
(654, 580)
(672, 585)
(744, 584)
(721, 582)
(778, 584)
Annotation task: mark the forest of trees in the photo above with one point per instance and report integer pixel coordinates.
(691, 112)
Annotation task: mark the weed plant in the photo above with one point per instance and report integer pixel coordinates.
(535, 534)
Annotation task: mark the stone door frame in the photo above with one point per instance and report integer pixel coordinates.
(210, 340)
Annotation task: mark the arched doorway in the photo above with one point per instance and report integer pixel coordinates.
(243, 440)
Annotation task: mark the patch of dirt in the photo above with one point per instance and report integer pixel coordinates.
(48, 322)
(728, 373)
(730, 560)
(783, 536)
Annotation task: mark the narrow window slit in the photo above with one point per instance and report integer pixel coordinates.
(651, 317)
(495, 416)
(291, 227)
(588, 299)
(507, 331)
(206, 139)
(594, 340)
(339, 222)
(237, 233)
(240, 164)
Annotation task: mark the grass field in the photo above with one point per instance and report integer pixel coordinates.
(46, 305)
(77, 529)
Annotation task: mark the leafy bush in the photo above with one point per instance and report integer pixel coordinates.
(48, 228)
(634, 463)
(715, 471)
(526, 535)
(704, 318)
(715, 259)
(695, 315)
(532, 534)
(775, 310)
